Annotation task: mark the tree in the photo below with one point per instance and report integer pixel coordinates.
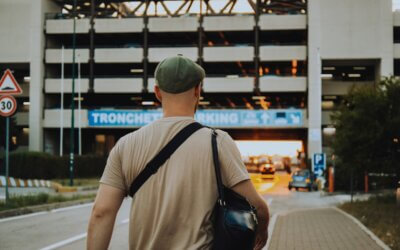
(368, 129)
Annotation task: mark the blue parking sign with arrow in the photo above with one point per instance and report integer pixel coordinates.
(319, 164)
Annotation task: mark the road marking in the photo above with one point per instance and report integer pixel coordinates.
(45, 212)
(65, 242)
(269, 201)
(271, 227)
(73, 239)
(71, 207)
(21, 216)
(124, 221)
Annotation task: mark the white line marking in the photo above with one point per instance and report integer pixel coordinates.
(65, 242)
(71, 207)
(21, 216)
(124, 221)
(73, 239)
(271, 227)
(365, 229)
(45, 212)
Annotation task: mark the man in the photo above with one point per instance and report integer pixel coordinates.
(172, 210)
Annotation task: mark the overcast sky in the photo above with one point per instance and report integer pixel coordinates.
(396, 4)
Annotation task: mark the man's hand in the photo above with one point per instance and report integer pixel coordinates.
(104, 212)
(247, 190)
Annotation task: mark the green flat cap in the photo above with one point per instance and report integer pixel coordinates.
(178, 74)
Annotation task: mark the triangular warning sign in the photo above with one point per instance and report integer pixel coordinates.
(8, 84)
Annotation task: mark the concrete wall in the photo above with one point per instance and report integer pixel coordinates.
(357, 29)
(396, 52)
(158, 54)
(66, 26)
(15, 17)
(228, 54)
(118, 55)
(52, 118)
(54, 85)
(283, 84)
(173, 24)
(118, 85)
(228, 23)
(283, 22)
(340, 88)
(226, 84)
(36, 45)
(314, 77)
(115, 25)
(283, 53)
(396, 18)
(54, 55)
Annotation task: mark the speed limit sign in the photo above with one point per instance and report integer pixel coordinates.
(8, 105)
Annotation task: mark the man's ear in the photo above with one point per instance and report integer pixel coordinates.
(157, 92)
(197, 90)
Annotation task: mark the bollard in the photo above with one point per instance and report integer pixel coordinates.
(366, 182)
(398, 194)
(331, 179)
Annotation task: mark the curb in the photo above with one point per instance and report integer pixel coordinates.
(44, 207)
(16, 182)
(364, 228)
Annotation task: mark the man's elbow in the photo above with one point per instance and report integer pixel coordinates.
(101, 211)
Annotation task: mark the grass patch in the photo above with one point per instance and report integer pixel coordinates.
(381, 215)
(39, 199)
(79, 182)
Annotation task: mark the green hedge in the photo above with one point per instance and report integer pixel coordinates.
(38, 165)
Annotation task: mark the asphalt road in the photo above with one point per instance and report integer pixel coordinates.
(66, 228)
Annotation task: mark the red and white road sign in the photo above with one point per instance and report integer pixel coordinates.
(8, 84)
(8, 105)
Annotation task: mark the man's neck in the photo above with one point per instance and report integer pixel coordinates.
(174, 113)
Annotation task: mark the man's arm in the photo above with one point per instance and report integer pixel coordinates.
(247, 190)
(104, 212)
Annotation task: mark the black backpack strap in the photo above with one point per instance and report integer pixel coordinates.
(153, 165)
(217, 167)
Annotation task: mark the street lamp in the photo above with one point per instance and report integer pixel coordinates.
(72, 139)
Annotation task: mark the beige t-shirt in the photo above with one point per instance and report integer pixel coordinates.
(172, 210)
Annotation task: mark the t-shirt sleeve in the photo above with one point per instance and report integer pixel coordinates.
(113, 174)
(233, 169)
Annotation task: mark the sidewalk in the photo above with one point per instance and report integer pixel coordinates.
(321, 228)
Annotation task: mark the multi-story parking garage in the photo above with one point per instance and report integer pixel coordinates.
(276, 69)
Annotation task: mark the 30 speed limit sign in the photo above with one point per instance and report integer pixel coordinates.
(8, 105)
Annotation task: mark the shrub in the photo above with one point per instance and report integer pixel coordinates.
(38, 165)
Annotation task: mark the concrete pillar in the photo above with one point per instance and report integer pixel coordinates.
(38, 10)
(386, 36)
(314, 78)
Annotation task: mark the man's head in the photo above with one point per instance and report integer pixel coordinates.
(178, 82)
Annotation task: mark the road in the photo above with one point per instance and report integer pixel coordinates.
(66, 228)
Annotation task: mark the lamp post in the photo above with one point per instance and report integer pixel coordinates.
(72, 139)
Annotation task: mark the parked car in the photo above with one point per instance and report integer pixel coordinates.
(302, 179)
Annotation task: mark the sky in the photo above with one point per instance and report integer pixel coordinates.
(283, 148)
(396, 4)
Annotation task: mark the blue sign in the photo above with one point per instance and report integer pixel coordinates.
(319, 164)
(213, 118)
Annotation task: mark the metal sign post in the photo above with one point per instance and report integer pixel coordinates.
(72, 136)
(7, 151)
(8, 105)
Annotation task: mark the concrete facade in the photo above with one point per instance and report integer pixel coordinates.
(340, 30)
